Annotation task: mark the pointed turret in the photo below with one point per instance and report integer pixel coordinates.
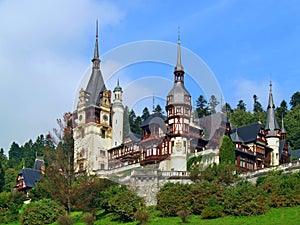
(271, 123)
(178, 66)
(95, 86)
(96, 60)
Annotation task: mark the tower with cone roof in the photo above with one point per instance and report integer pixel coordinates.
(178, 110)
(92, 122)
(117, 116)
(272, 130)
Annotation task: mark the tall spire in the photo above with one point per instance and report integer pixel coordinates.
(179, 66)
(96, 60)
(271, 123)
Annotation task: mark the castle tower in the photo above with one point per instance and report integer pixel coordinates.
(178, 110)
(117, 116)
(92, 129)
(272, 130)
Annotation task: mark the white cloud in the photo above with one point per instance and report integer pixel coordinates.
(39, 65)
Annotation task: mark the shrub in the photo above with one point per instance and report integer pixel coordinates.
(41, 212)
(245, 200)
(142, 215)
(172, 198)
(211, 212)
(10, 204)
(122, 202)
(184, 215)
(89, 219)
(65, 220)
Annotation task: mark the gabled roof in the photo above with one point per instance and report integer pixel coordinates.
(249, 133)
(155, 118)
(31, 176)
(210, 124)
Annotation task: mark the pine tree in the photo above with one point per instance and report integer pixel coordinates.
(213, 102)
(257, 107)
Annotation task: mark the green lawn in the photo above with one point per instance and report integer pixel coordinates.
(282, 216)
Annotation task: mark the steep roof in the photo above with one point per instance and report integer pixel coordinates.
(31, 176)
(156, 118)
(95, 84)
(271, 122)
(249, 133)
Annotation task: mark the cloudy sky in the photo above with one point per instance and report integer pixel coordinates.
(46, 48)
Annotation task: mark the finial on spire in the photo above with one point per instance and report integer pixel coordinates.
(179, 66)
(96, 60)
(97, 28)
(153, 103)
(270, 86)
(118, 82)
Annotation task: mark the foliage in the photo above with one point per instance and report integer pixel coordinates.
(244, 200)
(222, 174)
(88, 193)
(257, 107)
(282, 190)
(193, 162)
(65, 220)
(292, 125)
(89, 219)
(41, 212)
(295, 100)
(10, 204)
(158, 109)
(145, 114)
(210, 212)
(202, 107)
(184, 215)
(122, 202)
(172, 198)
(213, 102)
(142, 215)
(241, 105)
(227, 151)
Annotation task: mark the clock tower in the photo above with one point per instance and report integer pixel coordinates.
(92, 122)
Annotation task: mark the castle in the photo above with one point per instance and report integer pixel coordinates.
(101, 148)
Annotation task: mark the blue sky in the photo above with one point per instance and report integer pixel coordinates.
(46, 48)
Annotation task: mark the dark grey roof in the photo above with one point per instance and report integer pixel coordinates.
(211, 123)
(179, 93)
(155, 118)
(31, 176)
(134, 137)
(95, 87)
(271, 122)
(38, 163)
(96, 84)
(249, 133)
(178, 66)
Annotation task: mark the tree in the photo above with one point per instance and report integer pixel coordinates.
(202, 107)
(213, 102)
(281, 110)
(3, 160)
(158, 109)
(15, 155)
(241, 105)
(60, 174)
(295, 100)
(257, 107)
(241, 118)
(292, 124)
(227, 151)
(145, 114)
